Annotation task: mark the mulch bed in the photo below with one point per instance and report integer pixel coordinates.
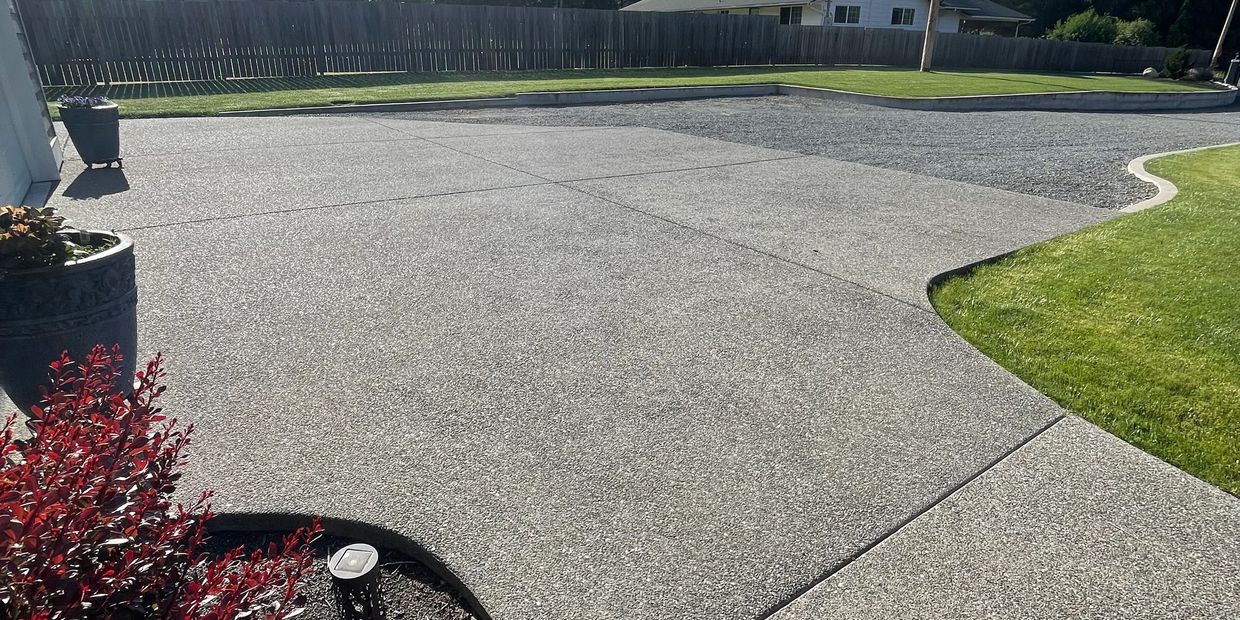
(410, 590)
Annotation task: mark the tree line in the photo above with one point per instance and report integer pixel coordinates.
(1192, 23)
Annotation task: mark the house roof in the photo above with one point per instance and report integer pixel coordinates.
(973, 9)
(986, 10)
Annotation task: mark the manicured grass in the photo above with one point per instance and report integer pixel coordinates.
(206, 98)
(1134, 323)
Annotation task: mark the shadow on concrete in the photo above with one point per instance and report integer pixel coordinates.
(97, 183)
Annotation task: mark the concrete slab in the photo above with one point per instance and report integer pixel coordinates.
(652, 405)
(162, 189)
(170, 136)
(1077, 524)
(886, 230)
(587, 154)
(435, 129)
(166, 136)
(585, 412)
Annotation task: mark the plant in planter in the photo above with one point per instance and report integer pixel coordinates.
(61, 289)
(95, 128)
(88, 528)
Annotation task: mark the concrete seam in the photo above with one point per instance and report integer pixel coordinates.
(253, 148)
(598, 178)
(771, 611)
(334, 205)
(691, 228)
(542, 181)
(675, 170)
(1166, 189)
(406, 138)
(755, 250)
(379, 121)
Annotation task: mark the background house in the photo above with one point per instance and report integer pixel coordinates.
(28, 149)
(904, 14)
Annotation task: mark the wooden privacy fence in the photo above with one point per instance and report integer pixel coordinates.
(93, 41)
(86, 42)
(902, 48)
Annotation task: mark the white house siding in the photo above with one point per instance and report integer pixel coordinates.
(811, 15)
(27, 142)
(949, 21)
(14, 173)
(877, 14)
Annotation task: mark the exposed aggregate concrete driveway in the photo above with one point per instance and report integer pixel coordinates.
(628, 373)
(1077, 157)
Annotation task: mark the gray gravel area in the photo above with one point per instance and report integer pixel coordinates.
(1077, 157)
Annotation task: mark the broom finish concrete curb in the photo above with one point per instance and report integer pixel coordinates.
(1084, 101)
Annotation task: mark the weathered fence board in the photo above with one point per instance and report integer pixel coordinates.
(83, 42)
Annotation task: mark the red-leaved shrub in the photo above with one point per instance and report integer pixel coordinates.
(87, 525)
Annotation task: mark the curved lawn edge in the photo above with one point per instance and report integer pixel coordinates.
(239, 522)
(1166, 189)
(1126, 324)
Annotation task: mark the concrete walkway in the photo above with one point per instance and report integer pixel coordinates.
(626, 373)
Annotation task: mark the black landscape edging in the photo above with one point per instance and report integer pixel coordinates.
(232, 522)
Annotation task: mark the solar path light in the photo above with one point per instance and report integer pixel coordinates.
(355, 578)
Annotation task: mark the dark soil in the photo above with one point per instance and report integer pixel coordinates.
(410, 590)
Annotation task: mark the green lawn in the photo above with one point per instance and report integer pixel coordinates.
(1133, 324)
(206, 98)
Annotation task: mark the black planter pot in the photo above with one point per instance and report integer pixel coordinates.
(71, 307)
(96, 133)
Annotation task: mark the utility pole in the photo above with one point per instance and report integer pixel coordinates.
(932, 30)
(1222, 36)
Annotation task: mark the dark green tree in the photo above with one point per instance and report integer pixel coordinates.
(1139, 31)
(1194, 23)
(1087, 26)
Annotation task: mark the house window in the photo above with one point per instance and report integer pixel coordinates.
(902, 17)
(790, 15)
(847, 14)
(754, 11)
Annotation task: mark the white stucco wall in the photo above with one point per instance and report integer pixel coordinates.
(28, 150)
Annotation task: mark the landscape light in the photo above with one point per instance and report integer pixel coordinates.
(355, 575)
